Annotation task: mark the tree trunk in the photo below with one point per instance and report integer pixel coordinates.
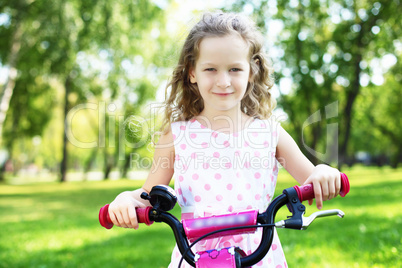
(108, 166)
(351, 97)
(12, 74)
(89, 162)
(126, 166)
(63, 164)
(397, 158)
(365, 27)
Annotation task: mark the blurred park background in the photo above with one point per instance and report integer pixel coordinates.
(80, 83)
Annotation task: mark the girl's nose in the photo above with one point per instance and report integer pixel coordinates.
(223, 80)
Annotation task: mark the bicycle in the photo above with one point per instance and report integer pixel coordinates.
(163, 199)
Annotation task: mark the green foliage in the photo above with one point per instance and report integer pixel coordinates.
(29, 122)
(90, 51)
(380, 115)
(57, 225)
(330, 51)
(117, 52)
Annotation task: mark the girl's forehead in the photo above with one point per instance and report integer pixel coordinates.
(228, 47)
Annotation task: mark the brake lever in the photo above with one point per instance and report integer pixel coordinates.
(332, 212)
(306, 221)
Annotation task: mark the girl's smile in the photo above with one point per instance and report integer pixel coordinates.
(222, 94)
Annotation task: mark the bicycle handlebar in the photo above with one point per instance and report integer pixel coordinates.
(306, 192)
(190, 230)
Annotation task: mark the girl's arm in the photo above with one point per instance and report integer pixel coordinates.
(122, 209)
(326, 180)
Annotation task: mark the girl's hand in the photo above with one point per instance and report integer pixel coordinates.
(122, 210)
(326, 183)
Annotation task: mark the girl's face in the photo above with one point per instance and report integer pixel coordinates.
(222, 72)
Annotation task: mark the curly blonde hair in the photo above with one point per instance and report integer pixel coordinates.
(185, 102)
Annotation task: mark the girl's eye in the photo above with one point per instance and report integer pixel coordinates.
(235, 70)
(210, 69)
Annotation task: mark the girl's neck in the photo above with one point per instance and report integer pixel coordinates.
(226, 122)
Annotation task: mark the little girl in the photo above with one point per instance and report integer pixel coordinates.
(220, 140)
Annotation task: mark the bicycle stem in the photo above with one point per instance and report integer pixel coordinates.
(267, 217)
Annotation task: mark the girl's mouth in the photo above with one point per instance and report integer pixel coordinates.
(223, 94)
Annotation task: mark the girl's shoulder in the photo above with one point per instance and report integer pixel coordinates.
(181, 125)
(176, 129)
(178, 123)
(164, 138)
(272, 122)
(272, 127)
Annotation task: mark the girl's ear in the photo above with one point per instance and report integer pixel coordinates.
(193, 78)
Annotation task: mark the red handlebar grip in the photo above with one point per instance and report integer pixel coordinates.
(345, 185)
(306, 192)
(104, 218)
(142, 216)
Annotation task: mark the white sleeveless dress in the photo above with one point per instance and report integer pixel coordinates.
(217, 173)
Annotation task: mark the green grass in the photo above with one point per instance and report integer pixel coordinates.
(56, 225)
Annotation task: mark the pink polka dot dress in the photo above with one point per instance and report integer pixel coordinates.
(218, 173)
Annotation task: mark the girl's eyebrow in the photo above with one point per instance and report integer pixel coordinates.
(237, 63)
(207, 63)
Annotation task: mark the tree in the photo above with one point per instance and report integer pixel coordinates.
(27, 89)
(364, 43)
(324, 48)
(379, 118)
(60, 33)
